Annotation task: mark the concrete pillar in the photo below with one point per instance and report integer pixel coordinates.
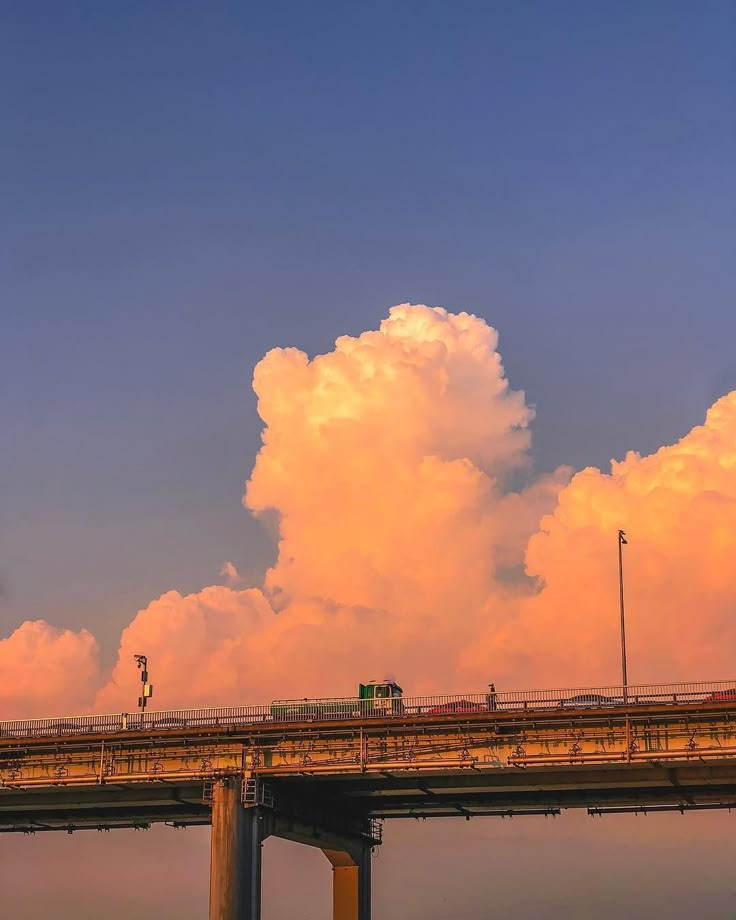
(351, 882)
(235, 860)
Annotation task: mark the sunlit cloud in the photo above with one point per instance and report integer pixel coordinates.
(415, 538)
(678, 507)
(391, 465)
(47, 671)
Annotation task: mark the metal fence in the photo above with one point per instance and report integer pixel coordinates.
(575, 698)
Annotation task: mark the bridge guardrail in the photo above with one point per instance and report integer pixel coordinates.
(521, 701)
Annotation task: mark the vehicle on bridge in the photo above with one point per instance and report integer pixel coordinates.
(721, 696)
(456, 706)
(376, 698)
(588, 700)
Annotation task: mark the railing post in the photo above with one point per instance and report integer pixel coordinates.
(235, 861)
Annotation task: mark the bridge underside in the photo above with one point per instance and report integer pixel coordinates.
(114, 806)
(538, 789)
(467, 792)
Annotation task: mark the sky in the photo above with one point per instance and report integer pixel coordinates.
(186, 188)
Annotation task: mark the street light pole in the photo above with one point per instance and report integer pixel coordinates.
(622, 541)
(146, 688)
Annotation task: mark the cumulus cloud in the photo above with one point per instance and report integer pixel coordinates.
(398, 468)
(46, 671)
(678, 507)
(388, 461)
(389, 464)
(198, 648)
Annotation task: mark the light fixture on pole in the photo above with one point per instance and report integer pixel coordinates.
(622, 541)
(146, 688)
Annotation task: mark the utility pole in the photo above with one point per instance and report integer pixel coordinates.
(622, 541)
(146, 688)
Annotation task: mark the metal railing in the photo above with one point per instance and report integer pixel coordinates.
(575, 698)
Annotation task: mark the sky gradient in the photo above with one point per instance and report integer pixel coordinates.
(186, 188)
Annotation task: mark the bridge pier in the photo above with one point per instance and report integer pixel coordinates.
(235, 855)
(350, 857)
(238, 833)
(351, 882)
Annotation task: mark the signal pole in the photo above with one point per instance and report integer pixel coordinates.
(622, 541)
(146, 688)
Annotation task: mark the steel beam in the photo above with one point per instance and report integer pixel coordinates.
(235, 861)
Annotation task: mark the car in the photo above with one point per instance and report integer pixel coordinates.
(590, 701)
(456, 706)
(722, 696)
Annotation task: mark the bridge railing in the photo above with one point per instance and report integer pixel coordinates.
(333, 709)
(70, 725)
(612, 695)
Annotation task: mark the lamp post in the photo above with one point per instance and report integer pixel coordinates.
(622, 541)
(146, 688)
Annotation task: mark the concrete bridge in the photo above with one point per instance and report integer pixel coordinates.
(331, 781)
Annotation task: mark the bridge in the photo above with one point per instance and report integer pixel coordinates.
(329, 773)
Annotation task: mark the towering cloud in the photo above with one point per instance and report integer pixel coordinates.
(398, 469)
(389, 464)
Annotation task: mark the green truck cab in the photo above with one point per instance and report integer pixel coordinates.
(376, 698)
(381, 697)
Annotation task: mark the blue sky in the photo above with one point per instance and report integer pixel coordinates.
(186, 186)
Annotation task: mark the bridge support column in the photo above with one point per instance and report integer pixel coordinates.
(235, 855)
(351, 882)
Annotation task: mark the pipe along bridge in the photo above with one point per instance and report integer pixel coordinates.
(331, 781)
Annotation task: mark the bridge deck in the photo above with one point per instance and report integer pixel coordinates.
(650, 754)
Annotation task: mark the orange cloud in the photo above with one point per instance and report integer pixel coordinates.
(391, 464)
(197, 646)
(47, 671)
(678, 507)
(387, 461)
